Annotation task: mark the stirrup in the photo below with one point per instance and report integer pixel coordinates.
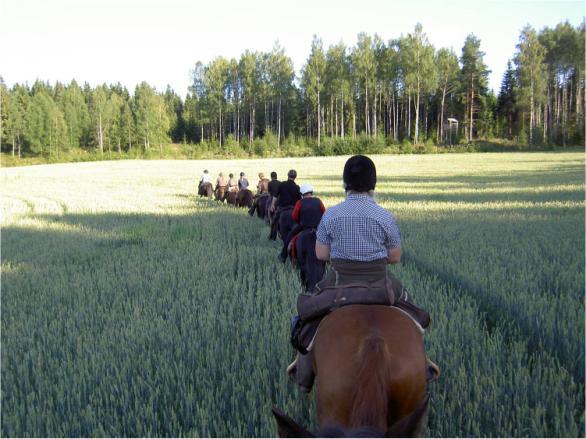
(432, 370)
(292, 367)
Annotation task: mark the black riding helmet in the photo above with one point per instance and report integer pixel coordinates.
(359, 174)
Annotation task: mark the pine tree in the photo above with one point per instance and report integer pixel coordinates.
(507, 100)
(474, 76)
(531, 72)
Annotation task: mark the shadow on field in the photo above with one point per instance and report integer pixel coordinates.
(479, 189)
(147, 325)
(45, 243)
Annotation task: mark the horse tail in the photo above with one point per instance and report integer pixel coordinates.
(371, 400)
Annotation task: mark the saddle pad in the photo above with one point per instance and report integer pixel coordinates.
(316, 329)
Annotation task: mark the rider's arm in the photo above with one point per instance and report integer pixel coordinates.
(392, 240)
(296, 211)
(322, 251)
(323, 241)
(394, 255)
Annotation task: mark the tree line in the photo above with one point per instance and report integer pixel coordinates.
(382, 92)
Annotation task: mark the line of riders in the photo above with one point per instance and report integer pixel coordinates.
(357, 238)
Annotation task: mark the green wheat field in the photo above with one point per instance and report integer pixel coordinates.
(130, 307)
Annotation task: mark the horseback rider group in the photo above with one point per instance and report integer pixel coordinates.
(223, 185)
(357, 237)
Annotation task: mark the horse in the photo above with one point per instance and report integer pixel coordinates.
(220, 192)
(244, 198)
(231, 197)
(261, 205)
(206, 190)
(371, 375)
(311, 269)
(268, 214)
(286, 222)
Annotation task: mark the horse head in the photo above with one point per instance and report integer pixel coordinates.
(288, 427)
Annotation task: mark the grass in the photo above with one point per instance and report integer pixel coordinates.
(132, 308)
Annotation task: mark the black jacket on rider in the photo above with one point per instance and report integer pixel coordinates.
(287, 194)
(273, 187)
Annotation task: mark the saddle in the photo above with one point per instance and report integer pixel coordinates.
(350, 289)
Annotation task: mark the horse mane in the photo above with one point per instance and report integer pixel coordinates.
(370, 405)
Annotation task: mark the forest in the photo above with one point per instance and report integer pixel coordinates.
(344, 100)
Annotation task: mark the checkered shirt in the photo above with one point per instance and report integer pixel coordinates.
(358, 229)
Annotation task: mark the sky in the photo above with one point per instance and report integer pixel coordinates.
(159, 41)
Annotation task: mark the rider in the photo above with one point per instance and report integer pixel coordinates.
(307, 214)
(263, 184)
(205, 178)
(232, 183)
(262, 189)
(221, 181)
(285, 196)
(273, 186)
(243, 182)
(359, 238)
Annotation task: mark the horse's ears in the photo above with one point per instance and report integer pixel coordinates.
(287, 427)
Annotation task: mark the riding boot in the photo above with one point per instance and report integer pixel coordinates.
(301, 371)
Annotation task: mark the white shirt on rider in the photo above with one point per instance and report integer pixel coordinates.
(205, 178)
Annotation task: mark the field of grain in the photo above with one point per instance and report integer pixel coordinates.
(129, 307)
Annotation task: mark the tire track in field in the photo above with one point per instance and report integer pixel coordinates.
(497, 314)
(29, 205)
(40, 205)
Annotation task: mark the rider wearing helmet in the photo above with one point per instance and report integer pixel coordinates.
(359, 238)
(286, 196)
(232, 183)
(243, 182)
(262, 190)
(205, 178)
(358, 230)
(307, 214)
(273, 184)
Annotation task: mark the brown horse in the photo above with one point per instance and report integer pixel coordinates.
(231, 197)
(245, 198)
(371, 374)
(220, 192)
(205, 190)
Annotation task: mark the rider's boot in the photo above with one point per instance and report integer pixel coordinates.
(301, 371)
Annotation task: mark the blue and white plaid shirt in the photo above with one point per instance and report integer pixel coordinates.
(358, 229)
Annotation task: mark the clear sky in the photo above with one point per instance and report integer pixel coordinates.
(159, 41)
